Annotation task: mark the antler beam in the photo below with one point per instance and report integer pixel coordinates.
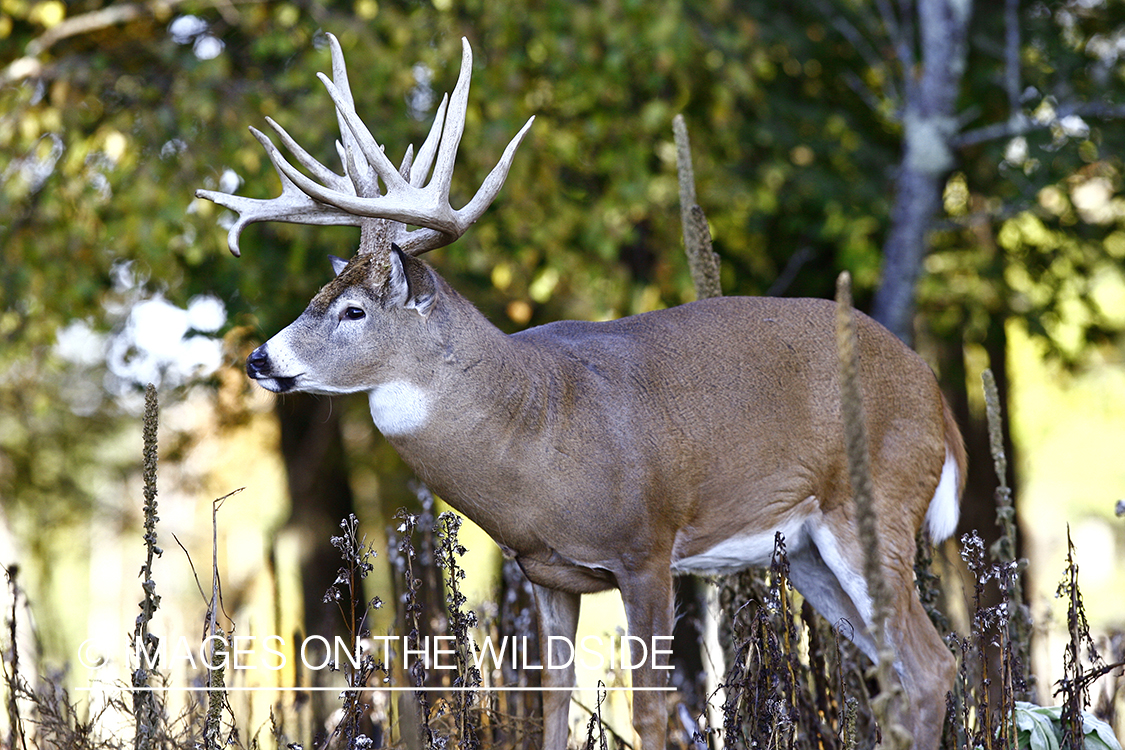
(354, 198)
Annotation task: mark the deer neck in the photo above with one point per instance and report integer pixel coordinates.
(473, 408)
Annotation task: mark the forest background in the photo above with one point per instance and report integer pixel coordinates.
(804, 120)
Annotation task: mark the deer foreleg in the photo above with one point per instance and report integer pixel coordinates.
(558, 616)
(648, 609)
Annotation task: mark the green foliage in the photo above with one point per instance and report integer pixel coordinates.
(1040, 728)
(795, 144)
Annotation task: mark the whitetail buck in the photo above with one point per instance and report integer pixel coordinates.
(616, 454)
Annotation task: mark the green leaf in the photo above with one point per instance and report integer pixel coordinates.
(1037, 727)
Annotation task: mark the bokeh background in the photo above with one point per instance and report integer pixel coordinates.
(112, 274)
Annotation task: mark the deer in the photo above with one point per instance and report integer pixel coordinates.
(615, 454)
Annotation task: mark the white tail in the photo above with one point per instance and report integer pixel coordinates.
(614, 455)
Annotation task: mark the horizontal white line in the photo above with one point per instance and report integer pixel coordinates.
(387, 689)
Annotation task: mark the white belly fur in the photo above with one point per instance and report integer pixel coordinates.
(743, 550)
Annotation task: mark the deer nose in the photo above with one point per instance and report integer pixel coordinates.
(257, 363)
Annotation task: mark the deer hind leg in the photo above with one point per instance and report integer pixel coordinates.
(558, 616)
(828, 573)
(928, 666)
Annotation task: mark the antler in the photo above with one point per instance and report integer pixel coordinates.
(353, 198)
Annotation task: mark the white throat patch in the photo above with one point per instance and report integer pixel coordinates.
(399, 407)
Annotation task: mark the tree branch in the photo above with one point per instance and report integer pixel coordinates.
(30, 66)
(1021, 124)
(1012, 54)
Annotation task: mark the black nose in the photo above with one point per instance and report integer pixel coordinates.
(257, 363)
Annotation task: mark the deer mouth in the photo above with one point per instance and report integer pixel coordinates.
(275, 383)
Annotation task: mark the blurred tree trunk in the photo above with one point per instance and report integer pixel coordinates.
(930, 124)
(321, 496)
(978, 509)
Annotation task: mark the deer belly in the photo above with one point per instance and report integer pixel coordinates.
(746, 549)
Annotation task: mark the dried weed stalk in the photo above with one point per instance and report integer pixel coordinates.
(146, 709)
(346, 592)
(447, 556)
(595, 724)
(888, 706)
(1075, 683)
(1017, 680)
(417, 732)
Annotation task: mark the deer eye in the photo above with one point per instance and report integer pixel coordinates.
(353, 313)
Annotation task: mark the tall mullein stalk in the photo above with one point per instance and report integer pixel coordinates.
(888, 707)
(1018, 682)
(702, 260)
(705, 266)
(216, 694)
(146, 711)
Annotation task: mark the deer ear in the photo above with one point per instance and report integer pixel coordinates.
(411, 284)
(338, 264)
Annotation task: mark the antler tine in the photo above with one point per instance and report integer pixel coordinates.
(366, 142)
(294, 205)
(304, 158)
(407, 162)
(354, 198)
(360, 170)
(490, 188)
(425, 159)
(454, 126)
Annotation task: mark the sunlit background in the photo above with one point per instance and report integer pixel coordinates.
(113, 275)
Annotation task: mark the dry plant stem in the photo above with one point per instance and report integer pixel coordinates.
(11, 664)
(461, 621)
(595, 723)
(983, 620)
(779, 573)
(145, 710)
(216, 696)
(1015, 630)
(346, 592)
(1019, 623)
(702, 260)
(1075, 684)
(888, 706)
(417, 670)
